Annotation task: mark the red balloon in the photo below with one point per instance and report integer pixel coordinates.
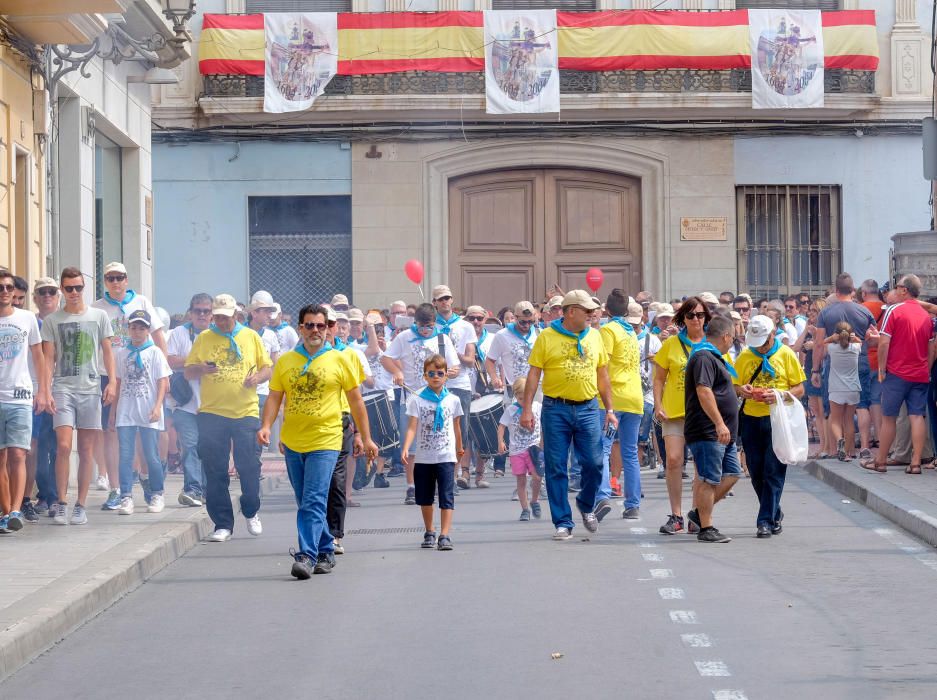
(594, 278)
(414, 270)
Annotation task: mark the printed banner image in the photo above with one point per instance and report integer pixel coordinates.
(787, 58)
(300, 59)
(521, 62)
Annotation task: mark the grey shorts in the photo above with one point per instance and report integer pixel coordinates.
(16, 425)
(82, 411)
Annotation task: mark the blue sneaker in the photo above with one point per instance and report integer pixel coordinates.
(112, 502)
(5, 525)
(15, 520)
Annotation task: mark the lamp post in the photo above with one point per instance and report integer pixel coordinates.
(179, 12)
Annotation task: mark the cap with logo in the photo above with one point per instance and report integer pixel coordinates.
(635, 312)
(524, 308)
(759, 330)
(140, 316)
(44, 282)
(115, 267)
(224, 305)
(579, 297)
(440, 291)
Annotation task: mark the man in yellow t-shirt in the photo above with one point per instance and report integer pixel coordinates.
(764, 365)
(572, 359)
(314, 378)
(230, 361)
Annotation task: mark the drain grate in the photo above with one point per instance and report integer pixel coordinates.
(386, 531)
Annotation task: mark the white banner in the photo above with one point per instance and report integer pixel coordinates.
(300, 59)
(521, 62)
(787, 58)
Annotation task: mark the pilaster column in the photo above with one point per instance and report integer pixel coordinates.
(908, 53)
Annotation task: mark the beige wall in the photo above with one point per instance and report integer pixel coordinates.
(398, 206)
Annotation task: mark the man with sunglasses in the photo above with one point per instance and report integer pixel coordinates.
(794, 321)
(743, 307)
(77, 350)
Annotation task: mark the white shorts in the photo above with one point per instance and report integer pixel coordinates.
(845, 398)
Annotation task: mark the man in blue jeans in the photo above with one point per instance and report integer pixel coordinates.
(711, 425)
(572, 360)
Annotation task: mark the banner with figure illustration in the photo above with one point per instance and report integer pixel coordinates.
(300, 58)
(787, 58)
(522, 73)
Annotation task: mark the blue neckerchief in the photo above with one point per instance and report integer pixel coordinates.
(478, 345)
(192, 332)
(439, 420)
(655, 330)
(444, 325)
(135, 351)
(765, 365)
(416, 333)
(779, 332)
(557, 325)
(526, 338)
(301, 349)
(541, 325)
(624, 324)
(519, 407)
(238, 327)
(128, 297)
(643, 334)
(283, 324)
(684, 338)
(706, 345)
(339, 344)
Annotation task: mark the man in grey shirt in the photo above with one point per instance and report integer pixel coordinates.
(71, 339)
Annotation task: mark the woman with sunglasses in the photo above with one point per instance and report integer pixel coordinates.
(669, 378)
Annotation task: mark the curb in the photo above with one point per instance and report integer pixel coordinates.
(40, 629)
(906, 510)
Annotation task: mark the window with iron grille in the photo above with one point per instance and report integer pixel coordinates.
(789, 238)
(297, 6)
(567, 5)
(825, 5)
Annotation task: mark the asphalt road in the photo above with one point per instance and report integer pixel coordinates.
(838, 606)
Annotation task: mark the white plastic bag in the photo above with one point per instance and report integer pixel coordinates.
(789, 430)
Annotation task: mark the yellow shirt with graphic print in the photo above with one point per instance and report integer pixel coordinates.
(356, 368)
(673, 356)
(787, 371)
(566, 374)
(223, 393)
(624, 358)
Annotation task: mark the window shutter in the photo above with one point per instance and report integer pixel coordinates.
(260, 6)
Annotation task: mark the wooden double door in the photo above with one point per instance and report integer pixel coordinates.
(514, 233)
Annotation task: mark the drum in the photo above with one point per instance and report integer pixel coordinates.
(382, 420)
(485, 413)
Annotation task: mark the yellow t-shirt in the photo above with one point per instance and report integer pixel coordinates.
(624, 358)
(673, 356)
(224, 393)
(312, 419)
(787, 369)
(566, 375)
(357, 370)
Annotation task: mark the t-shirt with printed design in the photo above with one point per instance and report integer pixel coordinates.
(272, 346)
(462, 334)
(223, 392)
(624, 373)
(672, 357)
(412, 355)
(139, 386)
(382, 379)
(512, 352)
(312, 417)
(649, 346)
(484, 346)
(287, 337)
(77, 339)
(911, 330)
(787, 371)
(179, 344)
(521, 439)
(358, 362)
(120, 327)
(19, 332)
(434, 446)
(566, 373)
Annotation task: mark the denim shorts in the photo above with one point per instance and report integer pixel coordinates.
(875, 390)
(430, 478)
(715, 460)
(865, 381)
(896, 391)
(16, 425)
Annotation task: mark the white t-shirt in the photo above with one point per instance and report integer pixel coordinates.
(844, 367)
(365, 365)
(138, 386)
(179, 344)
(790, 331)
(512, 352)
(462, 333)
(648, 347)
(287, 337)
(434, 447)
(413, 354)
(18, 333)
(382, 379)
(484, 346)
(521, 438)
(272, 344)
(118, 320)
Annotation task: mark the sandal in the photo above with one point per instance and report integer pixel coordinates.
(928, 464)
(894, 463)
(841, 451)
(872, 466)
(913, 469)
(821, 455)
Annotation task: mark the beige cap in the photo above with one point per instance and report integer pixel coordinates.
(356, 315)
(341, 316)
(330, 314)
(224, 305)
(555, 301)
(339, 299)
(44, 282)
(736, 316)
(579, 297)
(709, 298)
(635, 312)
(475, 309)
(115, 267)
(524, 308)
(441, 290)
(665, 309)
(261, 300)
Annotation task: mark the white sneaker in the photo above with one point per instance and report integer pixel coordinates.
(60, 517)
(254, 525)
(562, 533)
(79, 516)
(156, 503)
(339, 547)
(220, 535)
(126, 506)
(101, 483)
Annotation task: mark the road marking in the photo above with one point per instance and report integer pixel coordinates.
(920, 553)
(652, 556)
(729, 695)
(661, 573)
(696, 640)
(647, 545)
(712, 668)
(684, 617)
(671, 593)
(639, 531)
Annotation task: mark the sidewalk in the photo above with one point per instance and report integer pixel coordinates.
(55, 578)
(908, 500)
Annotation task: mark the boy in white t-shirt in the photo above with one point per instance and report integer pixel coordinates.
(525, 451)
(435, 423)
(142, 382)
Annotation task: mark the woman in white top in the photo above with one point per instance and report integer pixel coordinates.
(844, 388)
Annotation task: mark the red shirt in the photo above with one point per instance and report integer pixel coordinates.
(910, 329)
(875, 308)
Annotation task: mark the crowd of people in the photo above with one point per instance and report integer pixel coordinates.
(446, 397)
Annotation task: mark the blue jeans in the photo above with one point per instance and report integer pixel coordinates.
(149, 440)
(579, 427)
(217, 437)
(187, 429)
(647, 420)
(766, 471)
(310, 475)
(628, 425)
(46, 449)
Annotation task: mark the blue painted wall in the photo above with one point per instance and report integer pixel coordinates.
(200, 207)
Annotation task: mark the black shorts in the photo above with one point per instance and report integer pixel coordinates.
(428, 478)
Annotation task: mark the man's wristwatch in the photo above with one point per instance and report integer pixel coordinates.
(609, 410)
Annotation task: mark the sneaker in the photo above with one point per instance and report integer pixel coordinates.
(410, 499)
(543, 491)
(323, 565)
(29, 512)
(575, 485)
(590, 522)
(444, 544)
(563, 533)
(101, 483)
(661, 473)
(112, 502)
(57, 511)
(429, 540)
(462, 482)
(380, 482)
(482, 484)
(126, 506)
(498, 474)
(339, 548)
(302, 565)
(219, 535)
(763, 532)
(79, 516)
(396, 470)
(525, 516)
(5, 525)
(631, 513)
(190, 499)
(602, 508)
(776, 529)
(15, 520)
(514, 496)
(693, 525)
(254, 526)
(41, 507)
(673, 525)
(536, 510)
(711, 534)
(157, 503)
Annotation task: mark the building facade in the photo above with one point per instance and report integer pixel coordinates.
(667, 180)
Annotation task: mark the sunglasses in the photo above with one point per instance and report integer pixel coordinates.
(524, 321)
(47, 292)
(72, 288)
(475, 319)
(740, 309)
(114, 278)
(7, 287)
(435, 373)
(790, 308)
(309, 326)
(202, 312)
(699, 315)
(444, 299)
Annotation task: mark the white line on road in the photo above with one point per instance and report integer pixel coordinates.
(671, 593)
(696, 640)
(639, 531)
(661, 573)
(647, 545)
(684, 617)
(652, 556)
(712, 668)
(729, 695)
(920, 553)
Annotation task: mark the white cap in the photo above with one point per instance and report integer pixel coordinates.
(339, 300)
(709, 298)
(224, 305)
(115, 267)
(635, 312)
(261, 300)
(759, 330)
